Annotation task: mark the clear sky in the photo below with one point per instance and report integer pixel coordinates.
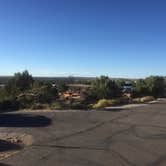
(119, 38)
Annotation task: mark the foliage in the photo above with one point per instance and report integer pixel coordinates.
(153, 85)
(120, 83)
(147, 99)
(143, 99)
(124, 100)
(136, 100)
(9, 104)
(21, 91)
(57, 105)
(46, 94)
(39, 106)
(106, 103)
(110, 102)
(103, 87)
(25, 100)
(62, 87)
(89, 96)
(101, 104)
(156, 86)
(3, 94)
(141, 88)
(19, 83)
(78, 105)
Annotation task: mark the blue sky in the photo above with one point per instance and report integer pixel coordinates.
(119, 38)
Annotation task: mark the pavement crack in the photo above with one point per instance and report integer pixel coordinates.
(116, 154)
(90, 129)
(109, 139)
(80, 132)
(72, 147)
(140, 125)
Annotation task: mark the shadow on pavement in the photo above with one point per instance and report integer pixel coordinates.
(114, 109)
(6, 146)
(1, 164)
(23, 120)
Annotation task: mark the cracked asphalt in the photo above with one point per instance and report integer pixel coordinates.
(135, 137)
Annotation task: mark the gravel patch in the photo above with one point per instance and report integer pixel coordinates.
(12, 143)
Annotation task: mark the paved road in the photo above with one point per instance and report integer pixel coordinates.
(134, 137)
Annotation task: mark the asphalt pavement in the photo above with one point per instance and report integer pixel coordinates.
(135, 137)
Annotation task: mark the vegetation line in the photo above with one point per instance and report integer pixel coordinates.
(22, 91)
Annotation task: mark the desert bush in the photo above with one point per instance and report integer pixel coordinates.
(110, 102)
(25, 100)
(89, 97)
(19, 83)
(39, 106)
(44, 94)
(147, 99)
(136, 100)
(9, 104)
(141, 88)
(78, 105)
(3, 94)
(113, 102)
(151, 86)
(101, 104)
(57, 106)
(124, 100)
(105, 88)
(62, 87)
(143, 99)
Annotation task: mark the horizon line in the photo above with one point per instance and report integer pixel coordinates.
(83, 76)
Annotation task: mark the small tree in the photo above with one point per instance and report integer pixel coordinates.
(47, 94)
(103, 87)
(156, 85)
(19, 83)
(62, 87)
(141, 88)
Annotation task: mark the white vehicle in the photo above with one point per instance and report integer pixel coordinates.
(128, 88)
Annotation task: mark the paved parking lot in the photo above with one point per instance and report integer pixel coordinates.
(136, 136)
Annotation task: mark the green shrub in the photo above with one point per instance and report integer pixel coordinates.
(124, 100)
(9, 105)
(101, 104)
(113, 102)
(136, 100)
(106, 88)
(46, 94)
(78, 105)
(39, 106)
(25, 100)
(57, 106)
